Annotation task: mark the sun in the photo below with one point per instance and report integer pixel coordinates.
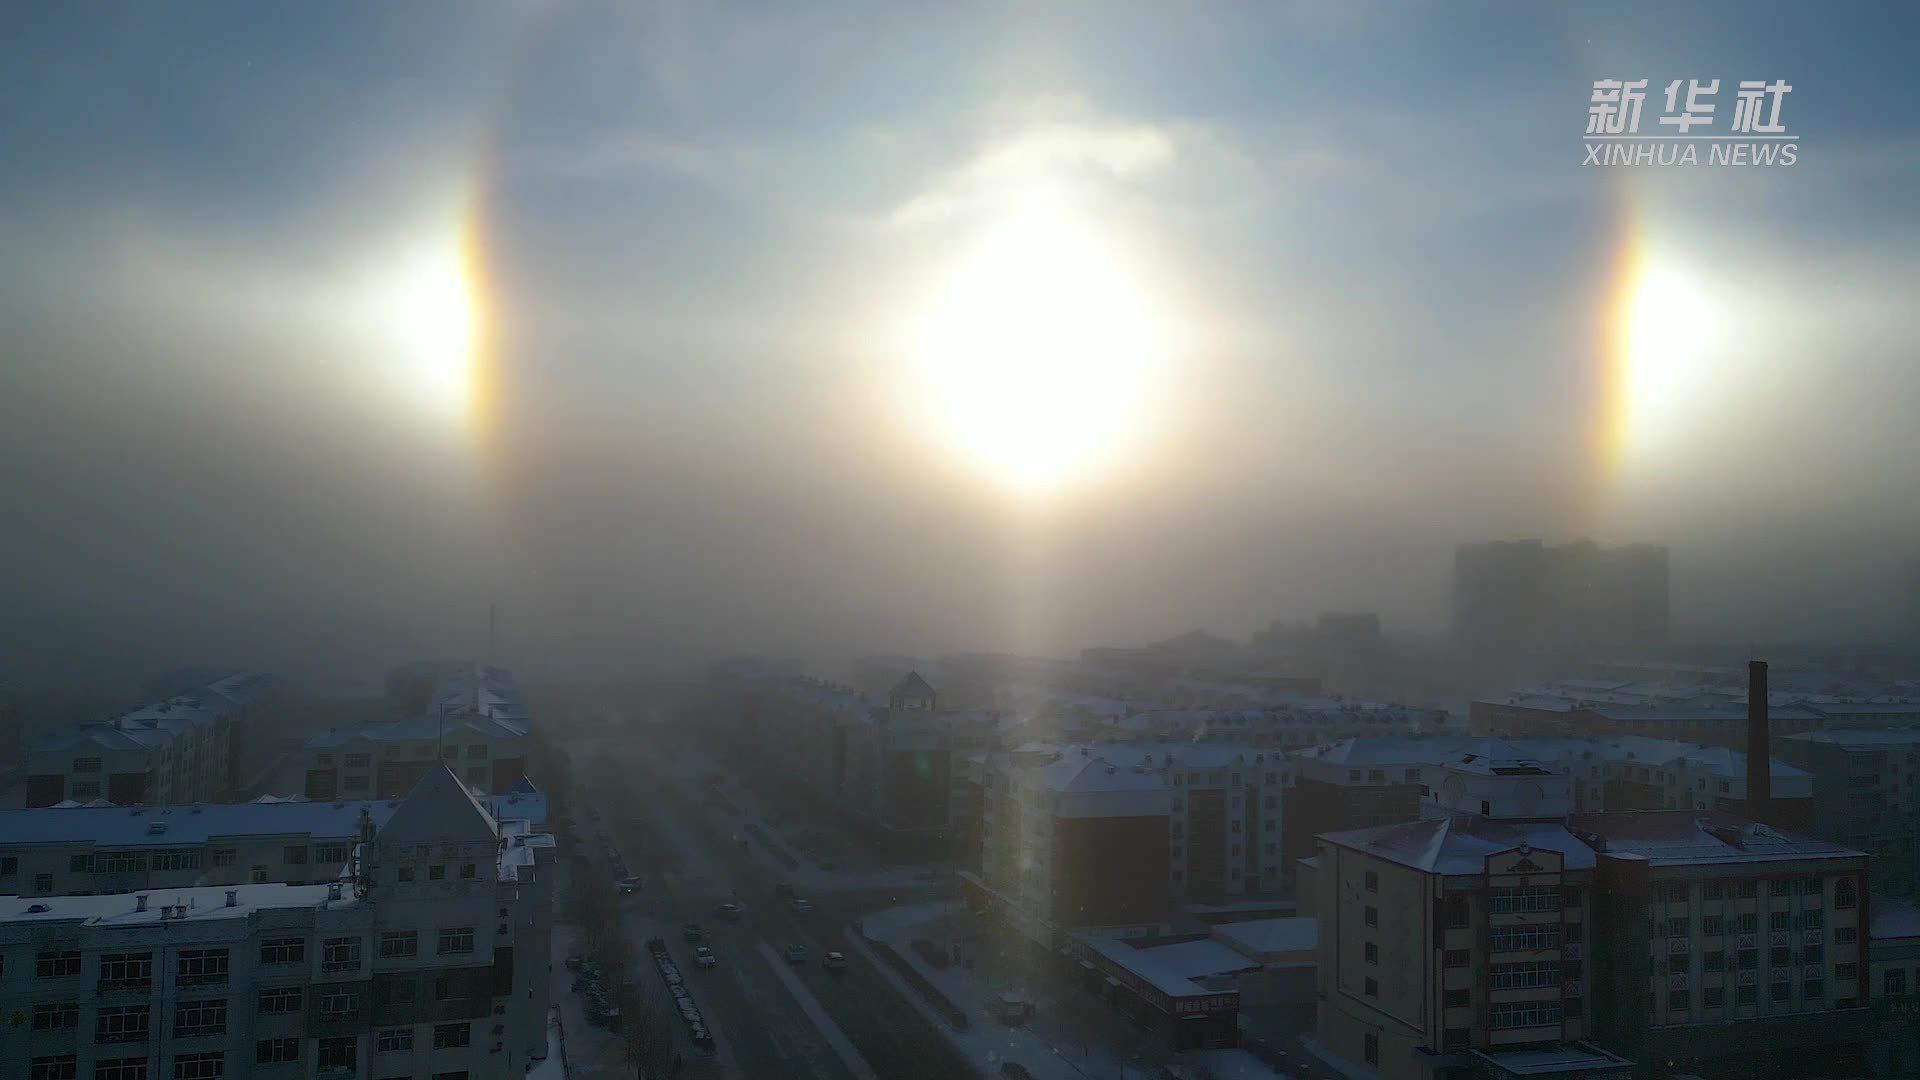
(434, 318)
(1673, 327)
(1037, 355)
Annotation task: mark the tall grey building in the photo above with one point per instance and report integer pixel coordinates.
(1522, 597)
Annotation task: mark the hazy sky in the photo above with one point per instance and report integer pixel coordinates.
(699, 234)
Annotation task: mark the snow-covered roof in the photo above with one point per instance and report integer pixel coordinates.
(1461, 844)
(199, 903)
(1258, 937)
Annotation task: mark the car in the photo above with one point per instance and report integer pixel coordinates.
(784, 890)
(703, 957)
(692, 934)
(796, 954)
(1013, 1070)
(801, 907)
(574, 962)
(630, 885)
(729, 911)
(835, 961)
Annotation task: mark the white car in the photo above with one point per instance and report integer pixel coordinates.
(703, 957)
(801, 907)
(836, 961)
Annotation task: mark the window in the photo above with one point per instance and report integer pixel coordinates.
(210, 1066)
(1457, 912)
(1847, 970)
(1809, 886)
(176, 860)
(331, 854)
(1679, 1000)
(477, 751)
(1671, 892)
(467, 869)
(86, 764)
(58, 964)
(1781, 991)
(201, 967)
(84, 789)
(405, 873)
(207, 1016)
(1779, 956)
(1780, 887)
(1747, 924)
(1845, 893)
(1576, 933)
(1523, 938)
(294, 856)
(1523, 976)
(1713, 890)
(339, 1052)
(1845, 935)
(450, 1036)
(9, 865)
(1519, 1014)
(58, 1016)
(1780, 920)
(437, 872)
(1713, 962)
(359, 761)
(43, 883)
(1370, 1048)
(1372, 916)
(1746, 995)
(340, 1006)
(1373, 953)
(120, 1069)
(1680, 926)
(1746, 890)
(285, 950)
(386, 1042)
(399, 943)
(121, 1023)
(1373, 881)
(126, 971)
(1456, 958)
(1749, 959)
(459, 939)
(1713, 926)
(1813, 989)
(1813, 920)
(1815, 954)
(1713, 997)
(1459, 999)
(57, 1067)
(340, 954)
(1371, 988)
(1457, 1038)
(1530, 898)
(276, 1051)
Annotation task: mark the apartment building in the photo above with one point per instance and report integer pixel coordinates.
(1864, 793)
(1894, 964)
(1539, 944)
(385, 761)
(432, 962)
(81, 850)
(180, 750)
(1069, 839)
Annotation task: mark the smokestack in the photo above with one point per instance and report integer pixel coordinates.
(1759, 744)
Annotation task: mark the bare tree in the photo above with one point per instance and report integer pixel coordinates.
(646, 1033)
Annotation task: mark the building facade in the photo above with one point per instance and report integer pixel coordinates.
(184, 749)
(431, 962)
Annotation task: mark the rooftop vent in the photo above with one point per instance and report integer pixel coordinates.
(333, 891)
(140, 902)
(154, 828)
(233, 897)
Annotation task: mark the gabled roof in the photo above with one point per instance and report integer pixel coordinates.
(1460, 845)
(439, 810)
(911, 688)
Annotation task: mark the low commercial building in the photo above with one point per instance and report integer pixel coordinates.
(60, 850)
(431, 961)
(1185, 989)
(181, 750)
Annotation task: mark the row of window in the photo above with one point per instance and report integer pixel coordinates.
(1747, 923)
(1845, 892)
(475, 751)
(203, 967)
(1779, 956)
(1714, 997)
(203, 1066)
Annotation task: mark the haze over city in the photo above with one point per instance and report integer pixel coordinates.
(650, 325)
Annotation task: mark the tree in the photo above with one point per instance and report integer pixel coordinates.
(646, 1034)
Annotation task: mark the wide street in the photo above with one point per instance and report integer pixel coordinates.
(764, 1028)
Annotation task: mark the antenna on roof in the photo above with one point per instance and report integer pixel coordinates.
(493, 628)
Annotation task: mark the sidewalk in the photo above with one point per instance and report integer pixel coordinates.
(1059, 1043)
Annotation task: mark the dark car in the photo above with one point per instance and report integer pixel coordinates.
(692, 934)
(729, 911)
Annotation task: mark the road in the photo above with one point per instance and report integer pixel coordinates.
(765, 1031)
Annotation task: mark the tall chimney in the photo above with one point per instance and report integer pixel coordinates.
(1759, 744)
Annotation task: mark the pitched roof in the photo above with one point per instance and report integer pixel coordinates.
(1461, 844)
(912, 688)
(439, 809)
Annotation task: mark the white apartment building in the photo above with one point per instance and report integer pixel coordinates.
(183, 749)
(430, 963)
(76, 850)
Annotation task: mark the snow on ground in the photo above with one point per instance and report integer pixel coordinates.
(554, 1065)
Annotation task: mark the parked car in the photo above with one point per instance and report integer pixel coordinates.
(574, 962)
(692, 934)
(801, 907)
(835, 961)
(703, 957)
(729, 911)
(796, 954)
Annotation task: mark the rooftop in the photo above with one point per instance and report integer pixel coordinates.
(1894, 919)
(1172, 969)
(1862, 737)
(1577, 1058)
(1461, 844)
(1257, 937)
(1692, 837)
(200, 903)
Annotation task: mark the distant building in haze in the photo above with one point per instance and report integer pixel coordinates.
(1518, 598)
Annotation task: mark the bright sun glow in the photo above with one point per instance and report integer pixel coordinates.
(1673, 327)
(424, 315)
(1038, 354)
